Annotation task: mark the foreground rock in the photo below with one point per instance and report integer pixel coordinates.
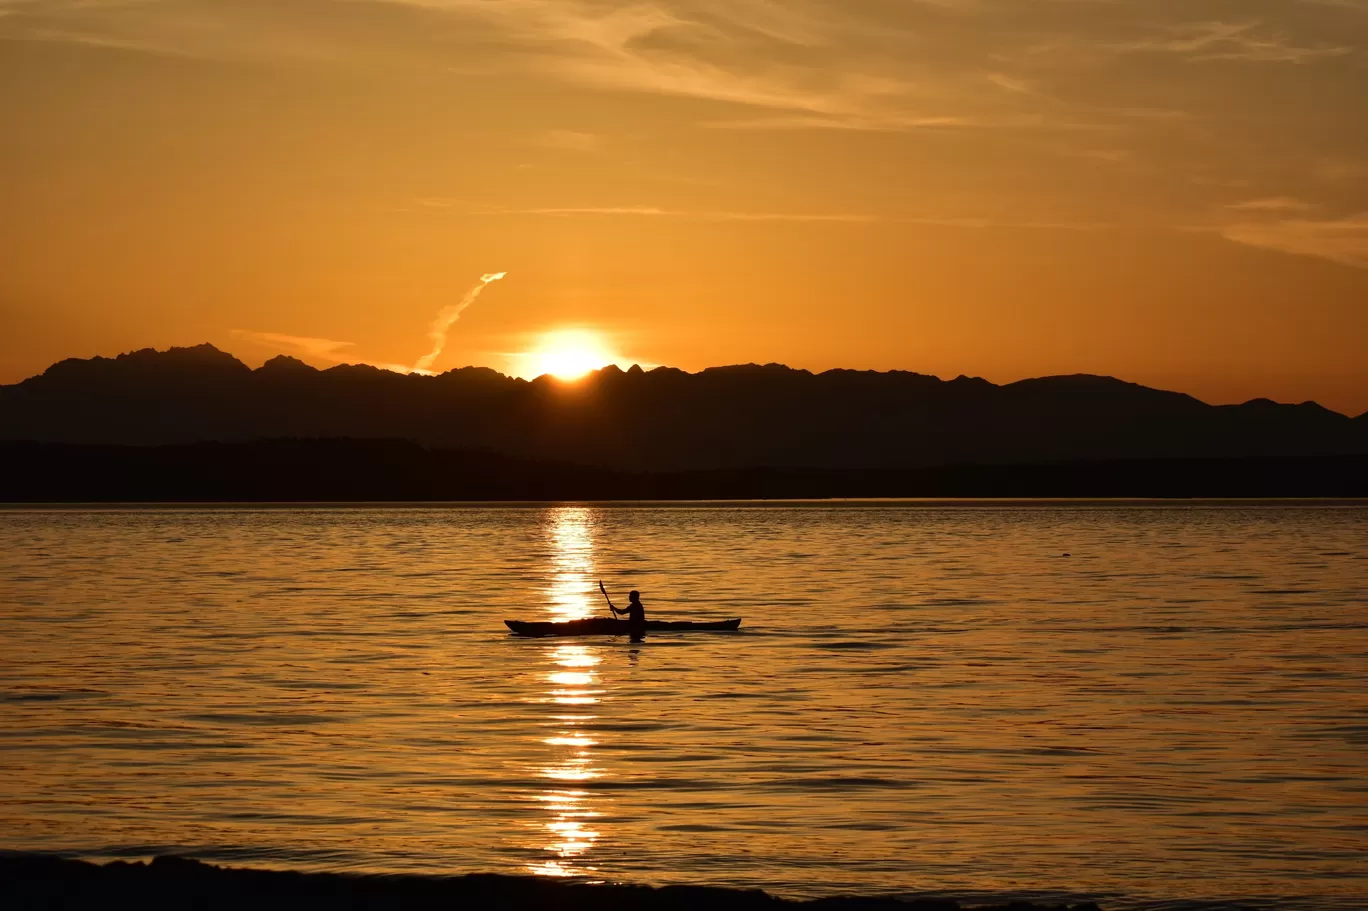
(32, 881)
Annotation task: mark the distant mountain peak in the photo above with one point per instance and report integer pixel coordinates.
(285, 362)
(1077, 380)
(145, 362)
(204, 353)
(1268, 406)
(770, 369)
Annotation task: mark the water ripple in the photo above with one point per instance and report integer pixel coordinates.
(922, 700)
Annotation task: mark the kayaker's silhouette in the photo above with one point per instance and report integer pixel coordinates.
(636, 614)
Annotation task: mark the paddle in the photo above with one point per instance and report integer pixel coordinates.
(606, 598)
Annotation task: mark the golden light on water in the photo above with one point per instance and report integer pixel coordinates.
(574, 769)
(572, 592)
(573, 697)
(984, 750)
(566, 354)
(568, 833)
(573, 687)
(571, 678)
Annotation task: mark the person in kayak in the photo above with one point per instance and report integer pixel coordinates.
(636, 614)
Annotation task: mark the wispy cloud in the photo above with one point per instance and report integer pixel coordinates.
(1341, 240)
(849, 218)
(1273, 204)
(319, 349)
(1112, 81)
(1356, 5)
(324, 349)
(657, 212)
(1237, 41)
(1289, 226)
(447, 316)
(804, 64)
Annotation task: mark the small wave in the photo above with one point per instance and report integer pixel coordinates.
(856, 646)
(49, 695)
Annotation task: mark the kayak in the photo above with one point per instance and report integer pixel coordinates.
(608, 626)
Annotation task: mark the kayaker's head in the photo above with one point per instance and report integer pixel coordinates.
(634, 596)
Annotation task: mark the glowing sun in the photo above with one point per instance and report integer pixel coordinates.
(567, 354)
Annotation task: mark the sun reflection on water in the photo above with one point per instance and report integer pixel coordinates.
(571, 678)
(572, 594)
(568, 831)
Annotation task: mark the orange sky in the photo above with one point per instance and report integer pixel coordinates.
(1170, 191)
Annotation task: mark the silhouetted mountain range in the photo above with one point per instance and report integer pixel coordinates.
(663, 419)
(659, 420)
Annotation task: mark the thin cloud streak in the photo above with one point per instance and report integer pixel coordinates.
(1340, 240)
(652, 211)
(320, 349)
(442, 324)
(330, 350)
(798, 217)
(1272, 204)
(1233, 41)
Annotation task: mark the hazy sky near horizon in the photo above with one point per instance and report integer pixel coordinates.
(1170, 191)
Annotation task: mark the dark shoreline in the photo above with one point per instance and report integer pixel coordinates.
(45, 881)
(397, 471)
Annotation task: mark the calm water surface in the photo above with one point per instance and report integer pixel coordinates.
(922, 698)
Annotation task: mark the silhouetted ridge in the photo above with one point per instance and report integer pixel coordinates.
(731, 417)
(1269, 407)
(1084, 393)
(147, 363)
